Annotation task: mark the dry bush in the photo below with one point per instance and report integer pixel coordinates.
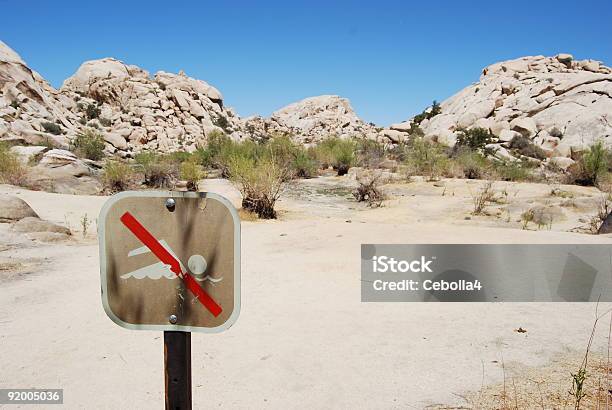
(483, 197)
(369, 189)
(604, 207)
(12, 171)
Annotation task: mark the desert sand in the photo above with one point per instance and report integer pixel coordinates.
(304, 339)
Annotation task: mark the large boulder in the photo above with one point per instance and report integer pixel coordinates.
(14, 209)
(34, 224)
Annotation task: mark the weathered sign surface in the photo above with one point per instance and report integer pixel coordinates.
(170, 261)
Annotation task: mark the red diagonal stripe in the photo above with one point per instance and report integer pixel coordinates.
(166, 257)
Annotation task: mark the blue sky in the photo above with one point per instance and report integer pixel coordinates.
(390, 58)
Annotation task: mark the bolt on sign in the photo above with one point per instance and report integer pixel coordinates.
(170, 261)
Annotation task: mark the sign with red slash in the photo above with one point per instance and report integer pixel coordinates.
(170, 261)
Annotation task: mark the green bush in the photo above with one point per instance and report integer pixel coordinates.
(117, 176)
(220, 149)
(471, 165)
(426, 158)
(304, 165)
(51, 128)
(513, 171)
(106, 122)
(158, 170)
(428, 113)
(338, 153)
(12, 171)
(92, 111)
(88, 144)
(260, 182)
(191, 171)
(593, 165)
(526, 147)
(474, 139)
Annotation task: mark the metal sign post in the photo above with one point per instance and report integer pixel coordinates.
(170, 261)
(177, 370)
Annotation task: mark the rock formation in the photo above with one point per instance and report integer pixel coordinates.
(312, 120)
(561, 104)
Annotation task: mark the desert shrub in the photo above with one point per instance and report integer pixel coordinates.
(12, 171)
(482, 198)
(512, 171)
(220, 151)
(179, 157)
(540, 215)
(416, 131)
(526, 147)
(398, 152)
(92, 111)
(158, 171)
(260, 181)
(474, 139)
(471, 165)
(368, 189)
(221, 121)
(88, 144)
(336, 152)
(428, 113)
(304, 165)
(105, 122)
(593, 165)
(426, 158)
(116, 176)
(369, 153)
(51, 127)
(191, 172)
(344, 156)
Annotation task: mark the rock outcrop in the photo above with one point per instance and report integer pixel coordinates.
(28, 104)
(13, 209)
(561, 104)
(166, 112)
(312, 120)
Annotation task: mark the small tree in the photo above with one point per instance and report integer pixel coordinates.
(474, 139)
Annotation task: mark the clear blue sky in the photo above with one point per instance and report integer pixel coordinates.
(390, 58)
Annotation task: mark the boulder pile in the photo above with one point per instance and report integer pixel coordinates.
(560, 104)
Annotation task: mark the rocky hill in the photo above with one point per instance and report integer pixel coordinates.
(312, 120)
(558, 102)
